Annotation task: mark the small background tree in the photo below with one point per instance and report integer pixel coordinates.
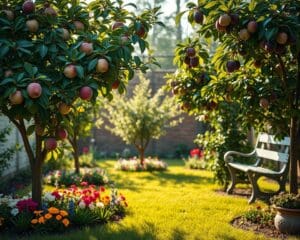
(139, 118)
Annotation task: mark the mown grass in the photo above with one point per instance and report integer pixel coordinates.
(178, 204)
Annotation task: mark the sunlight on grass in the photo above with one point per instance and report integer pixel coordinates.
(176, 204)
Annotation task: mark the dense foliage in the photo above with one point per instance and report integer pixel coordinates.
(254, 64)
(53, 52)
(6, 153)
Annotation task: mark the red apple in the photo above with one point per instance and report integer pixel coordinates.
(79, 26)
(252, 26)
(219, 27)
(28, 7)
(282, 38)
(102, 65)
(141, 31)
(50, 144)
(224, 20)
(9, 14)
(198, 16)
(115, 84)
(70, 71)
(39, 130)
(50, 11)
(86, 93)
(65, 34)
(190, 51)
(244, 34)
(64, 109)
(8, 73)
(117, 25)
(32, 25)
(62, 133)
(34, 90)
(16, 98)
(264, 103)
(86, 47)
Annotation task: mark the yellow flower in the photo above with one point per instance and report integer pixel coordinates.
(58, 217)
(66, 222)
(34, 221)
(48, 216)
(38, 212)
(64, 213)
(41, 220)
(53, 210)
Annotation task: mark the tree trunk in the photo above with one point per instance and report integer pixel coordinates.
(36, 176)
(76, 158)
(142, 155)
(293, 156)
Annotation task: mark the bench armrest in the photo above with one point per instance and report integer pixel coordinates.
(228, 157)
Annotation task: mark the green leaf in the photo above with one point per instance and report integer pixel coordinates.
(92, 64)
(80, 71)
(30, 130)
(178, 17)
(3, 51)
(28, 68)
(142, 45)
(210, 4)
(43, 50)
(252, 5)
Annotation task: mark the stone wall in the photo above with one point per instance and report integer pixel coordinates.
(19, 160)
(175, 141)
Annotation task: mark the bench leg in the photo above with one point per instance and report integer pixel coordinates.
(255, 189)
(233, 180)
(282, 181)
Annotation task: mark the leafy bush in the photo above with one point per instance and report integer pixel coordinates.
(5, 153)
(196, 163)
(260, 216)
(94, 176)
(135, 165)
(286, 200)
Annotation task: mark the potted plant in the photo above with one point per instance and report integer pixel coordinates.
(287, 206)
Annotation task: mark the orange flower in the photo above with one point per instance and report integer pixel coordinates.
(34, 221)
(66, 222)
(58, 217)
(38, 212)
(48, 216)
(64, 213)
(41, 220)
(53, 210)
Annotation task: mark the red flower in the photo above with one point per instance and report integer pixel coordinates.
(27, 204)
(102, 189)
(85, 150)
(56, 194)
(196, 152)
(122, 197)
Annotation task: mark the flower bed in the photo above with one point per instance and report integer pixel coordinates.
(134, 164)
(62, 209)
(94, 176)
(196, 160)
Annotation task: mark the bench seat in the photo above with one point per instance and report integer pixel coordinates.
(278, 152)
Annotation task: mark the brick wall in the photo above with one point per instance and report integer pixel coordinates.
(178, 137)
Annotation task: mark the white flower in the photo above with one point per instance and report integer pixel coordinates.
(49, 197)
(14, 211)
(100, 205)
(92, 206)
(81, 204)
(12, 203)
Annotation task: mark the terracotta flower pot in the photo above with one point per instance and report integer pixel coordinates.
(287, 220)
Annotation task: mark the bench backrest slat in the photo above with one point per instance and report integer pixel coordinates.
(265, 138)
(272, 155)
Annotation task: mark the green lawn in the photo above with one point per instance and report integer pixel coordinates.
(177, 204)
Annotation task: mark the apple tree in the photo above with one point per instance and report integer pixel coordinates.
(255, 61)
(139, 118)
(52, 51)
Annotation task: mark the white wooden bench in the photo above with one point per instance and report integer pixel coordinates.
(267, 149)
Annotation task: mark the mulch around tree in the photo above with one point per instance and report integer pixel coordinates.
(239, 222)
(268, 230)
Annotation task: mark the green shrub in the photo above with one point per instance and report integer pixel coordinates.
(260, 216)
(286, 200)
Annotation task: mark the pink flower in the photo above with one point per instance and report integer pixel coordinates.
(84, 184)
